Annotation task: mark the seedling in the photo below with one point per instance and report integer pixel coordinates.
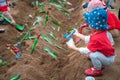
(50, 52)
(35, 43)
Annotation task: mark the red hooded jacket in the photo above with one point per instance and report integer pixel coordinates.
(113, 21)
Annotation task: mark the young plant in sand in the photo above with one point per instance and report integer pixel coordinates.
(50, 52)
(15, 77)
(34, 44)
(60, 8)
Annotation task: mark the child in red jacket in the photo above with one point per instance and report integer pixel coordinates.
(4, 10)
(113, 21)
(99, 46)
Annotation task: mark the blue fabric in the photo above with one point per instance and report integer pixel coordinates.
(17, 56)
(3, 2)
(97, 19)
(85, 5)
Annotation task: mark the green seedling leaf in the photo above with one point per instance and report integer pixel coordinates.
(55, 22)
(62, 2)
(60, 8)
(4, 63)
(15, 77)
(42, 4)
(38, 21)
(34, 44)
(59, 47)
(45, 24)
(52, 35)
(44, 37)
(37, 2)
(31, 28)
(50, 52)
(58, 29)
(70, 29)
(53, 27)
(32, 37)
(33, 4)
(27, 35)
(46, 19)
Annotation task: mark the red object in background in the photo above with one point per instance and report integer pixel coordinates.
(38, 36)
(14, 48)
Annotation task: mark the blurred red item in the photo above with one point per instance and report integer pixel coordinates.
(14, 48)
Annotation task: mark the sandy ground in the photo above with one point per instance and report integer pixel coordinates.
(69, 65)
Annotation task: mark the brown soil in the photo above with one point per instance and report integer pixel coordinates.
(69, 65)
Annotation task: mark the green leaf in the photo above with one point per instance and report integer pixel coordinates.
(37, 2)
(46, 19)
(45, 24)
(27, 35)
(53, 27)
(55, 22)
(42, 4)
(70, 29)
(58, 46)
(34, 44)
(52, 53)
(15, 77)
(44, 37)
(60, 8)
(52, 35)
(33, 4)
(58, 29)
(4, 63)
(32, 37)
(37, 21)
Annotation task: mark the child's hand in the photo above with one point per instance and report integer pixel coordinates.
(76, 32)
(71, 44)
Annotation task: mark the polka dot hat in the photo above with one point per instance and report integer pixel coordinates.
(97, 19)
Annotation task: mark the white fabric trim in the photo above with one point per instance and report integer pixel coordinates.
(109, 35)
(84, 50)
(87, 39)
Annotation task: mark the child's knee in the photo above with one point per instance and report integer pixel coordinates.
(93, 56)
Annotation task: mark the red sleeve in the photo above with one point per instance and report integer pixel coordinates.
(110, 21)
(117, 21)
